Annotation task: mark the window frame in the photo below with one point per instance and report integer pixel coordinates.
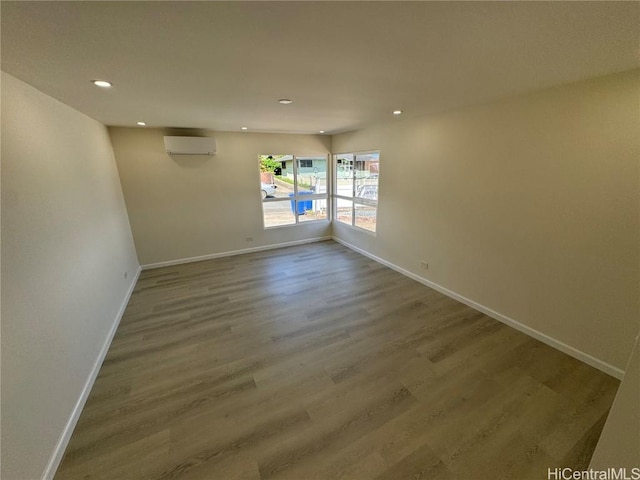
(353, 198)
(295, 166)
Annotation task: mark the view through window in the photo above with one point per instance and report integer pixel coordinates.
(294, 189)
(356, 189)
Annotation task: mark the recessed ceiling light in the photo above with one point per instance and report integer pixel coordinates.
(285, 101)
(243, 128)
(397, 112)
(321, 131)
(101, 83)
(142, 124)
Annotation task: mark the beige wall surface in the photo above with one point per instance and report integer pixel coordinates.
(528, 206)
(619, 444)
(190, 206)
(66, 244)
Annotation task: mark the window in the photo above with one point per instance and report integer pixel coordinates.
(355, 192)
(294, 189)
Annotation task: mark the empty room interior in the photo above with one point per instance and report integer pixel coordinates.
(320, 240)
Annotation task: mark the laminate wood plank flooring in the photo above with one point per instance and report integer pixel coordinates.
(314, 362)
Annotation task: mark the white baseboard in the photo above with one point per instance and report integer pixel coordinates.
(231, 253)
(552, 342)
(63, 441)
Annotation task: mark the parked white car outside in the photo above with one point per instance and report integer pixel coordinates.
(268, 189)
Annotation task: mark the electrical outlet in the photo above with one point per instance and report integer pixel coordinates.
(249, 239)
(424, 264)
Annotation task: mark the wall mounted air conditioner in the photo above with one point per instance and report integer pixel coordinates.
(190, 145)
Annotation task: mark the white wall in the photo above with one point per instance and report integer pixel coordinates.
(527, 206)
(190, 206)
(619, 444)
(66, 245)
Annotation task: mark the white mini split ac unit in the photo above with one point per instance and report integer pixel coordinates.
(190, 145)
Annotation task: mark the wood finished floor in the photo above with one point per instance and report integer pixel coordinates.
(314, 362)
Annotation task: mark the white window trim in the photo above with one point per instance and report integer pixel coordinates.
(315, 196)
(353, 199)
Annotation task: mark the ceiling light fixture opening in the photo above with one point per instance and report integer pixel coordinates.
(285, 101)
(101, 83)
(142, 124)
(397, 112)
(321, 131)
(243, 128)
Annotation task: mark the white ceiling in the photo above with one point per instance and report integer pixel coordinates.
(223, 65)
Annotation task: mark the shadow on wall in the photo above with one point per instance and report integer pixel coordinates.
(192, 161)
